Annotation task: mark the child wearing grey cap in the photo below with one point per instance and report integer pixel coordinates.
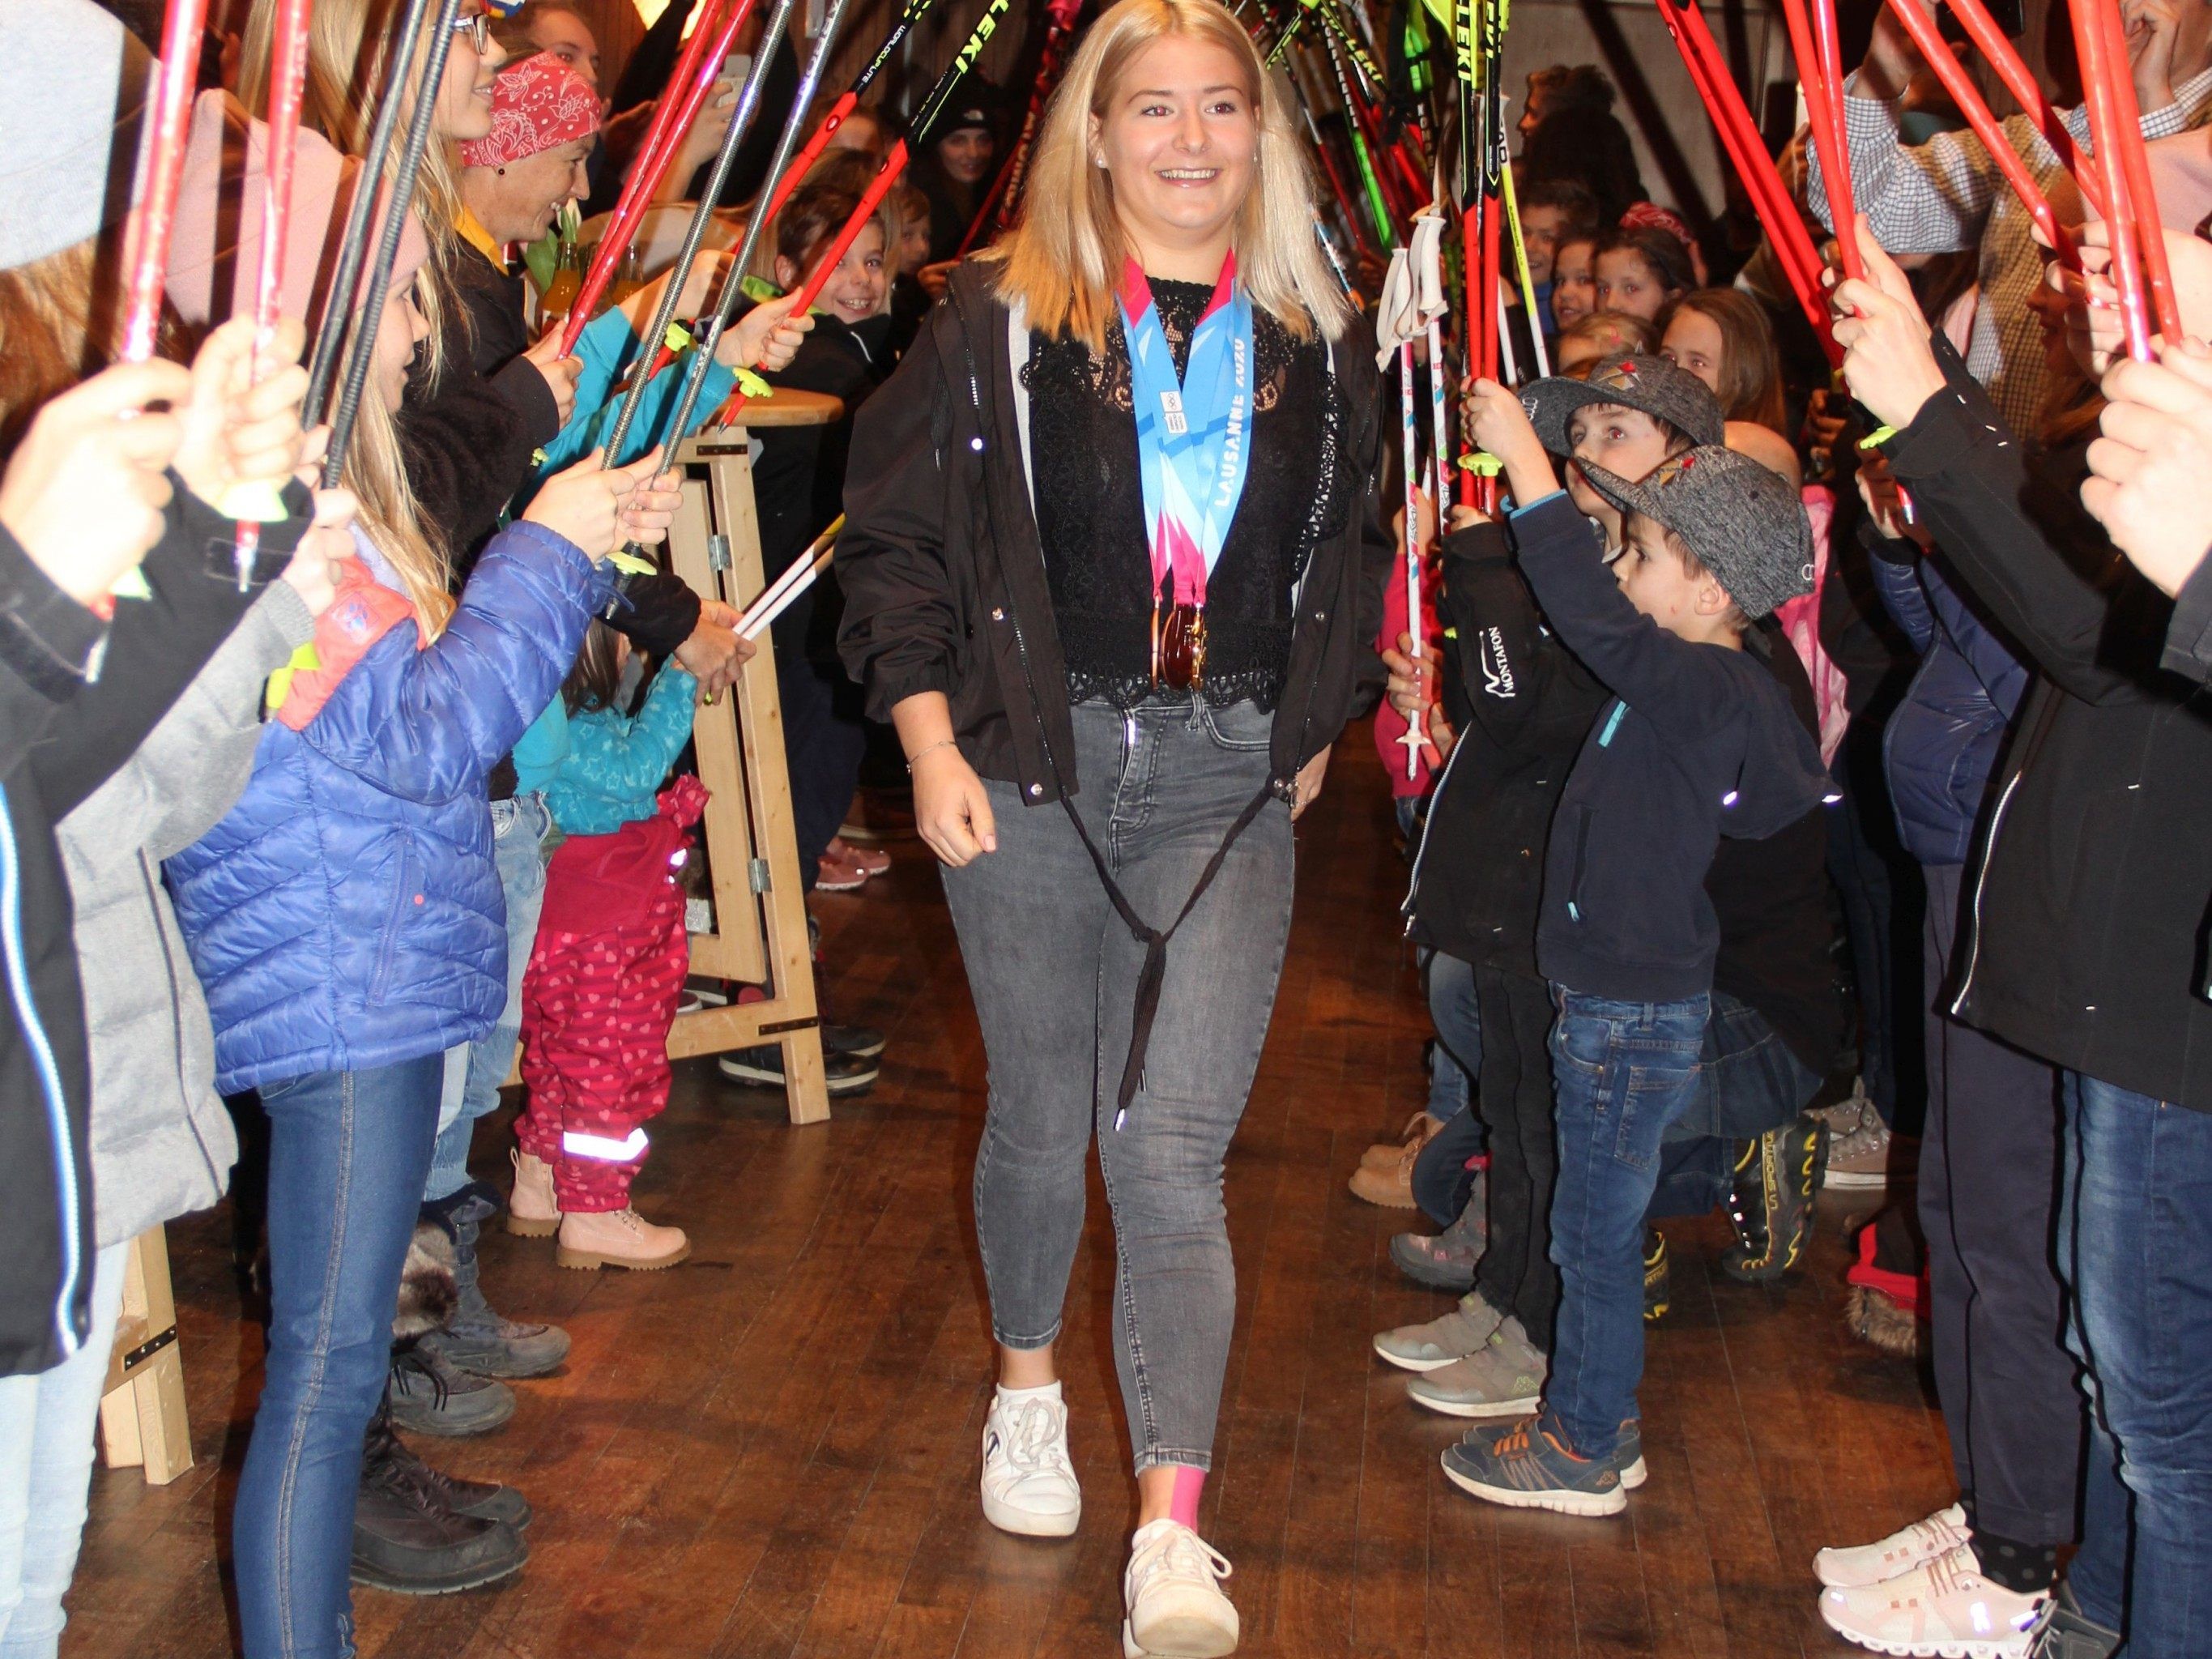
(1696, 740)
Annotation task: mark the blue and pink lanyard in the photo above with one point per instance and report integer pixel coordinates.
(1194, 432)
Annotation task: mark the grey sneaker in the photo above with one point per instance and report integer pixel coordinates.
(478, 1339)
(1858, 1153)
(1505, 1379)
(430, 1396)
(1446, 1260)
(2063, 1632)
(1440, 1341)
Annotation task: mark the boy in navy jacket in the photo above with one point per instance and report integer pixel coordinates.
(1696, 741)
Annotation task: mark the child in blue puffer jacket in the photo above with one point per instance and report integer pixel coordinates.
(600, 992)
(346, 919)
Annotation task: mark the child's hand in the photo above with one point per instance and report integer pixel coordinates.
(1412, 687)
(583, 503)
(560, 373)
(1493, 420)
(951, 810)
(1466, 517)
(765, 338)
(2151, 472)
(237, 432)
(648, 510)
(1413, 693)
(84, 491)
(312, 572)
(1887, 362)
(1442, 738)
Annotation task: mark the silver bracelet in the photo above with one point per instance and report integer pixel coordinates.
(942, 743)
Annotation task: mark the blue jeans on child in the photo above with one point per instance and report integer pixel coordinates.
(45, 1465)
(347, 1151)
(474, 1071)
(1621, 1072)
(2135, 1235)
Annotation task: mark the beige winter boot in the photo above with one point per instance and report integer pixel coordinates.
(533, 1211)
(618, 1238)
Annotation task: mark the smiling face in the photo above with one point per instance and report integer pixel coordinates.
(855, 289)
(516, 203)
(1693, 342)
(1626, 282)
(464, 110)
(1625, 442)
(966, 155)
(1179, 140)
(1540, 231)
(1574, 283)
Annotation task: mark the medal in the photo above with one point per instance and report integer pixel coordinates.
(1193, 455)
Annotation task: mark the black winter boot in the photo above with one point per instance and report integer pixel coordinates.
(409, 1539)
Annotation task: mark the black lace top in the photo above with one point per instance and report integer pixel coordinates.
(1091, 512)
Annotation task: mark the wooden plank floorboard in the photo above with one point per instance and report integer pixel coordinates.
(770, 1453)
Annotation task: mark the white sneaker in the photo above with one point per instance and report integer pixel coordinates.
(1029, 1484)
(1941, 1609)
(1172, 1588)
(1869, 1564)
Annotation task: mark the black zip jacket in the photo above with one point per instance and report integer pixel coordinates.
(2087, 943)
(1521, 706)
(63, 736)
(944, 574)
(1698, 742)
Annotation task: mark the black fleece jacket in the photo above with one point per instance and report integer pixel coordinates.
(1699, 741)
(944, 576)
(62, 735)
(2089, 911)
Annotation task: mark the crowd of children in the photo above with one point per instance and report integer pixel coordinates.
(1746, 681)
(1973, 711)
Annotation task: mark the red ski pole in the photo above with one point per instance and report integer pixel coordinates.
(1827, 125)
(680, 106)
(253, 507)
(169, 117)
(932, 111)
(2135, 166)
(1968, 98)
(2101, 64)
(2020, 80)
(847, 101)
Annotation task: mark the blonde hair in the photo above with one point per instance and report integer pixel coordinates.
(1064, 260)
(348, 48)
(376, 473)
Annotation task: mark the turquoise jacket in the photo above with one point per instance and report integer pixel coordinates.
(616, 763)
(606, 348)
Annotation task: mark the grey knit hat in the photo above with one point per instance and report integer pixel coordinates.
(74, 83)
(1742, 522)
(1650, 384)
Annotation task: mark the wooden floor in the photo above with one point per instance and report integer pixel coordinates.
(772, 1451)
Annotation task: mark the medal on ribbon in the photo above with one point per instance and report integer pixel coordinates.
(1193, 449)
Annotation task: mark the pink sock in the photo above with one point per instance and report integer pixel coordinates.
(1182, 1504)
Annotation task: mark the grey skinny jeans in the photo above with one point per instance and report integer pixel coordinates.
(1054, 974)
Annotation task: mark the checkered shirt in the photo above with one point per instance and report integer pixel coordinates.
(1947, 194)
